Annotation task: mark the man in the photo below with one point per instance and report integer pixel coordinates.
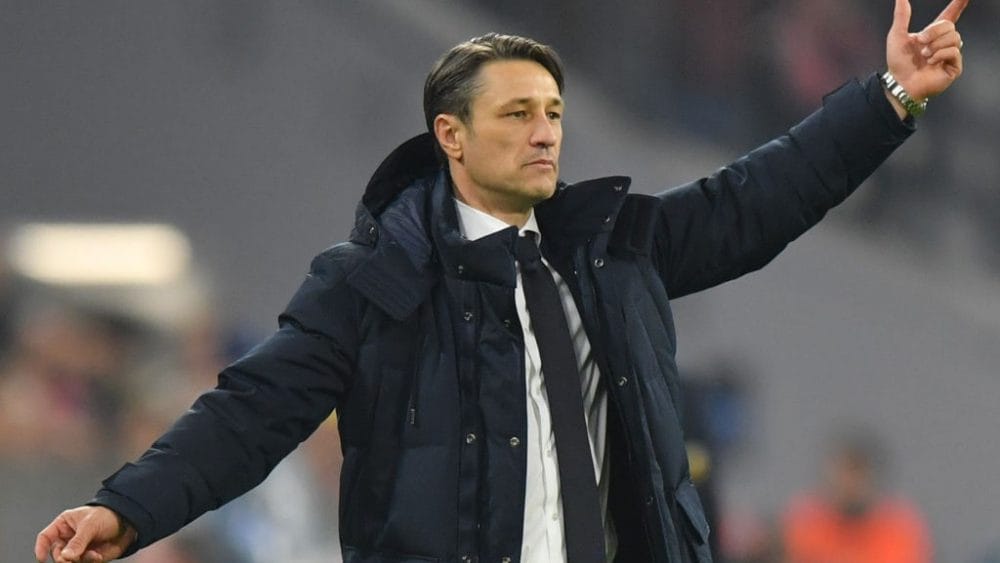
(432, 331)
(851, 518)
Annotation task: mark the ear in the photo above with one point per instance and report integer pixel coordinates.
(450, 133)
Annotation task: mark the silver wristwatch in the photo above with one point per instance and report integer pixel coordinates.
(913, 107)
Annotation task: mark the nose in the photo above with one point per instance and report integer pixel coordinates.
(544, 133)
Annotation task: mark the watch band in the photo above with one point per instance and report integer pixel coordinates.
(913, 107)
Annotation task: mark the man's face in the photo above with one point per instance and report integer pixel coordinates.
(850, 480)
(510, 146)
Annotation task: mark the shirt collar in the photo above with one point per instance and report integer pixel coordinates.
(475, 224)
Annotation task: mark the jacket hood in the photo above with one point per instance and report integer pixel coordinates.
(408, 216)
(414, 159)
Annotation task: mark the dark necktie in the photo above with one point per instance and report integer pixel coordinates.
(582, 522)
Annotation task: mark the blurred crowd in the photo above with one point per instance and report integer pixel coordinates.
(851, 511)
(88, 382)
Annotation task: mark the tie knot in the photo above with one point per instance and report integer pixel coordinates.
(526, 252)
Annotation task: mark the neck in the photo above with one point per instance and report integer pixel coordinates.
(514, 213)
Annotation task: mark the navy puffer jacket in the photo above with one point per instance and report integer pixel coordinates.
(411, 333)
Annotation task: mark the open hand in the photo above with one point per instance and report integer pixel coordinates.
(925, 63)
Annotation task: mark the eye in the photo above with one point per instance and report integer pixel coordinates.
(555, 115)
(519, 114)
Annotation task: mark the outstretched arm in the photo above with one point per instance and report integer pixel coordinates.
(738, 219)
(924, 63)
(265, 404)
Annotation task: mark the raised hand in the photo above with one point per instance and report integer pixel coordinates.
(89, 534)
(925, 63)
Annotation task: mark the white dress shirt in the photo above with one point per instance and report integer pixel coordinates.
(544, 541)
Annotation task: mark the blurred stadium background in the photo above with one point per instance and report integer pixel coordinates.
(231, 139)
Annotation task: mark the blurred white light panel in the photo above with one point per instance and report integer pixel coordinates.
(100, 254)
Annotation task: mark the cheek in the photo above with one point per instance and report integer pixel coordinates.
(503, 157)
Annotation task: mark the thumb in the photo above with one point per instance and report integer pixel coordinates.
(79, 542)
(901, 17)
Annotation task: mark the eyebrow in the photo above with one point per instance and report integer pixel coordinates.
(522, 101)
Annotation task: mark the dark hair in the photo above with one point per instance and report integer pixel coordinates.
(861, 449)
(453, 80)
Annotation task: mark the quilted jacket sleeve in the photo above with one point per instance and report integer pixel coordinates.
(264, 405)
(736, 220)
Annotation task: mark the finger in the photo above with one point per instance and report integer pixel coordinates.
(43, 543)
(53, 534)
(92, 557)
(901, 16)
(935, 30)
(57, 552)
(953, 39)
(953, 10)
(951, 56)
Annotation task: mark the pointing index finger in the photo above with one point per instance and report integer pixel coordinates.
(953, 10)
(45, 540)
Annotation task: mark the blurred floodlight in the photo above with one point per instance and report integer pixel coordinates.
(100, 254)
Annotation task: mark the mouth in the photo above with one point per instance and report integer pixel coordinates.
(543, 163)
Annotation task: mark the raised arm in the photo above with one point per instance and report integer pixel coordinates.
(735, 221)
(928, 62)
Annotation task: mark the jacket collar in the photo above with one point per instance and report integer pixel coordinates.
(409, 218)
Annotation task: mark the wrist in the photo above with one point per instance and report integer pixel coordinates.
(901, 112)
(901, 100)
(126, 530)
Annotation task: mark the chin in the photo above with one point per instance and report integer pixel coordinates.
(546, 184)
(542, 192)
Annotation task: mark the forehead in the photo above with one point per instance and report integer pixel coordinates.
(504, 81)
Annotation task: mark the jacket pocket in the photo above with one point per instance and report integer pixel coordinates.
(377, 473)
(697, 528)
(413, 405)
